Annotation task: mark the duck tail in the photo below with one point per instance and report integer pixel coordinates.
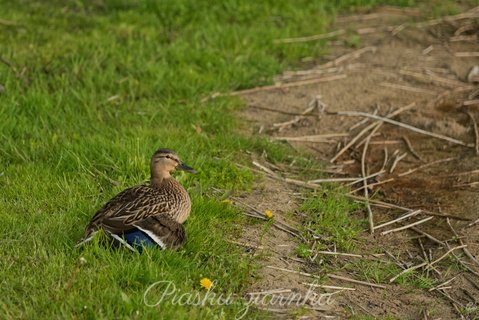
(88, 236)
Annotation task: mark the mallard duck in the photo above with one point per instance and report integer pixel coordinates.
(147, 215)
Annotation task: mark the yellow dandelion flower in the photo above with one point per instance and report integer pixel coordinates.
(228, 201)
(268, 213)
(206, 283)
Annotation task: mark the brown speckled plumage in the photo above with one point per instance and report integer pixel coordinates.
(158, 209)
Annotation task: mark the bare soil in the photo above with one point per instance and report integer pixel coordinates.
(407, 63)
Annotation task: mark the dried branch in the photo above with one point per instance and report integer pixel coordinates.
(365, 283)
(466, 250)
(410, 214)
(407, 226)
(365, 181)
(424, 264)
(407, 88)
(396, 161)
(403, 125)
(369, 127)
(313, 138)
(476, 131)
(411, 149)
(311, 38)
(426, 166)
(315, 285)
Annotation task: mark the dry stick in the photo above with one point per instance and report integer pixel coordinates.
(329, 275)
(466, 173)
(476, 131)
(311, 38)
(369, 127)
(463, 38)
(327, 286)
(424, 264)
(385, 158)
(439, 286)
(373, 202)
(445, 255)
(408, 270)
(333, 276)
(470, 14)
(355, 54)
(462, 185)
(422, 249)
(407, 226)
(462, 263)
(295, 272)
(425, 166)
(403, 125)
(350, 143)
(427, 50)
(410, 148)
(360, 123)
(427, 235)
(296, 119)
(354, 180)
(365, 181)
(267, 170)
(467, 15)
(349, 254)
(282, 112)
(287, 85)
(371, 185)
(380, 172)
(426, 212)
(473, 223)
(411, 214)
(313, 138)
(407, 88)
(383, 142)
(466, 250)
(464, 28)
(434, 78)
(466, 54)
(470, 102)
(270, 291)
(396, 161)
(247, 245)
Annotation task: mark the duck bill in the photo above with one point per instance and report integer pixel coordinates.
(186, 168)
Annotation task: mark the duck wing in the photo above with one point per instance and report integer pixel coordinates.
(164, 231)
(130, 206)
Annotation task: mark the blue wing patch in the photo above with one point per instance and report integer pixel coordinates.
(138, 239)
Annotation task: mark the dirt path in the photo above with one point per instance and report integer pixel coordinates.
(419, 64)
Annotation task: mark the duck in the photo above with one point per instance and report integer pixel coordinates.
(149, 215)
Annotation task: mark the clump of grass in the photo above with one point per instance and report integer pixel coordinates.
(374, 271)
(330, 214)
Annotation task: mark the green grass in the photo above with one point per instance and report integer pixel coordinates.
(330, 215)
(92, 89)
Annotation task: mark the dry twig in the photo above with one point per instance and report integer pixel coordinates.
(407, 226)
(369, 127)
(476, 131)
(408, 215)
(410, 148)
(311, 38)
(426, 166)
(425, 264)
(407, 88)
(402, 125)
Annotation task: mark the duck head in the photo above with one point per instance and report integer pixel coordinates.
(164, 162)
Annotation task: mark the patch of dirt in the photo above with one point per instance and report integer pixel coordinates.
(407, 63)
